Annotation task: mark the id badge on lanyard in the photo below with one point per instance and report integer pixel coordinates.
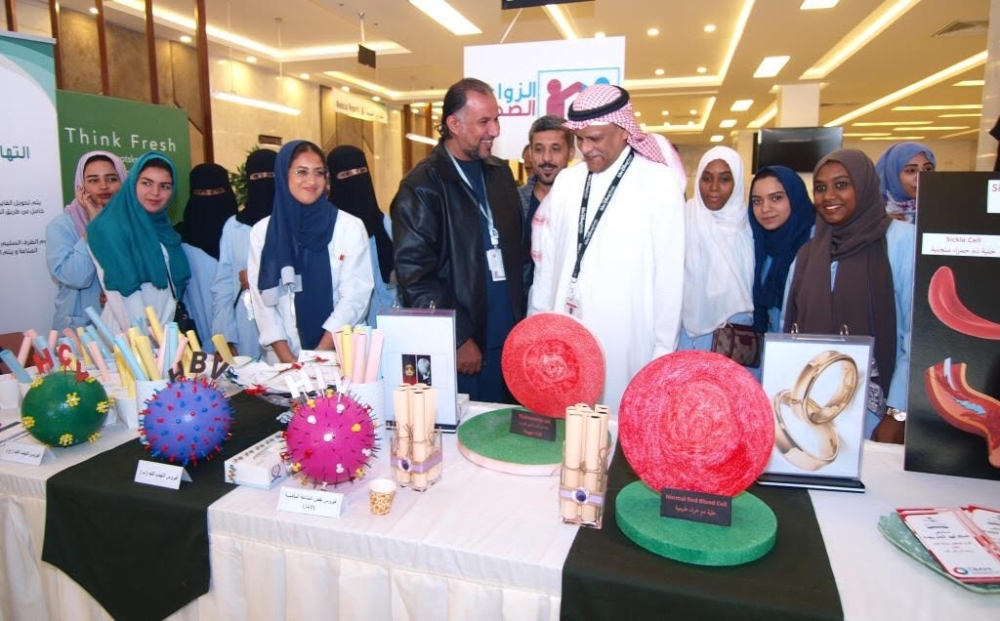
(494, 256)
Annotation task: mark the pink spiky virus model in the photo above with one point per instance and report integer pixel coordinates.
(330, 439)
(186, 422)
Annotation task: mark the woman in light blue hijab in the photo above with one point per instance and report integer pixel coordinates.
(898, 170)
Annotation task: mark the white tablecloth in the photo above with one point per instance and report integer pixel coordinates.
(477, 545)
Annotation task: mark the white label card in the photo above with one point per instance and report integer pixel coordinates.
(960, 245)
(494, 257)
(24, 451)
(311, 501)
(993, 196)
(949, 539)
(160, 475)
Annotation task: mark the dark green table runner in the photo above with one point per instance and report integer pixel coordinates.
(142, 551)
(606, 576)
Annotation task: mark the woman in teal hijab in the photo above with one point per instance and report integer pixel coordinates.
(136, 249)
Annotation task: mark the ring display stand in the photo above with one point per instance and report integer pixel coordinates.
(752, 534)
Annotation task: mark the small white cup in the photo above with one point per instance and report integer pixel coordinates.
(10, 393)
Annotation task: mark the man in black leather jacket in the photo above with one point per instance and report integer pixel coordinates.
(456, 224)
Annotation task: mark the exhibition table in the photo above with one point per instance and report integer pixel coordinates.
(479, 544)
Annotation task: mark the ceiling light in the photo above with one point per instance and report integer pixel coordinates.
(891, 123)
(702, 69)
(862, 134)
(255, 103)
(446, 15)
(891, 138)
(251, 59)
(599, 34)
(693, 111)
(93, 10)
(435, 117)
(717, 138)
(185, 39)
(345, 88)
(422, 139)
(741, 105)
(812, 5)
(690, 122)
(304, 76)
(659, 72)
(709, 27)
(880, 19)
(418, 104)
(945, 74)
(665, 112)
(562, 20)
(970, 83)
(727, 123)
(653, 32)
(376, 98)
(959, 116)
(969, 131)
(939, 128)
(637, 114)
(771, 66)
(954, 107)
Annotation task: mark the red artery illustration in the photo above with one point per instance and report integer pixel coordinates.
(943, 298)
(964, 407)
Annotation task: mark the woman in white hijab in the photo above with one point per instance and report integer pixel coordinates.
(718, 251)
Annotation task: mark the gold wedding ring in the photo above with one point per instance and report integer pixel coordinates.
(787, 445)
(807, 378)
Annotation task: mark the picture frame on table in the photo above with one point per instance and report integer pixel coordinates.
(818, 386)
(419, 348)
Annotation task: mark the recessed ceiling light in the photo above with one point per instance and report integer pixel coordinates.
(971, 83)
(693, 111)
(717, 138)
(304, 76)
(345, 88)
(659, 71)
(727, 123)
(251, 59)
(939, 128)
(185, 39)
(653, 32)
(741, 105)
(890, 123)
(771, 66)
(709, 27)
(863, 134)
(690, 122)
(446, 15)
(811, 5)
(93, 10)
(920, 108)
(702, 69)
(958, 116)
(665, 112)
(376, 98)
(892, 138)
(638, 114)
(418, 104)
(599, 34)
(435, 117)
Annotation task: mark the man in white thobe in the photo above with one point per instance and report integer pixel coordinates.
(620, 267)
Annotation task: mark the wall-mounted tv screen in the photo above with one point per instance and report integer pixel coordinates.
(799, 148)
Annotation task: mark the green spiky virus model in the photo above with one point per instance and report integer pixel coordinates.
(65, 408)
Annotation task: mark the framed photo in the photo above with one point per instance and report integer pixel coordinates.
(420, 349)
(818, 386)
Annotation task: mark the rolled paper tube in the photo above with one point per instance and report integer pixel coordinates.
(186, 356)
(572, 451)
(22, 354)
(125, 372)
(346, 351)
(102, 328)
(222, 347)
(320, 380)
(132, 334)
(360, 362)
(53, 339)
(374, 356)
(420, 438)
(168, 348)
(401, 408)
(105, 348)
(77, 337)
(42, 348)
(182, 348)
(130, 359)
(95, 353)
(193, 340)
(147, 358)
(66, 345)
(336, 348)
(430, 416)
(15, 366)
(591, 462)
(154, 325)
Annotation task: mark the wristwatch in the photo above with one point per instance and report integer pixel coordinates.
(897, 415)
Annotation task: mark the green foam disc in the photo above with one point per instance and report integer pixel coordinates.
(752, 533)
(486, 441)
